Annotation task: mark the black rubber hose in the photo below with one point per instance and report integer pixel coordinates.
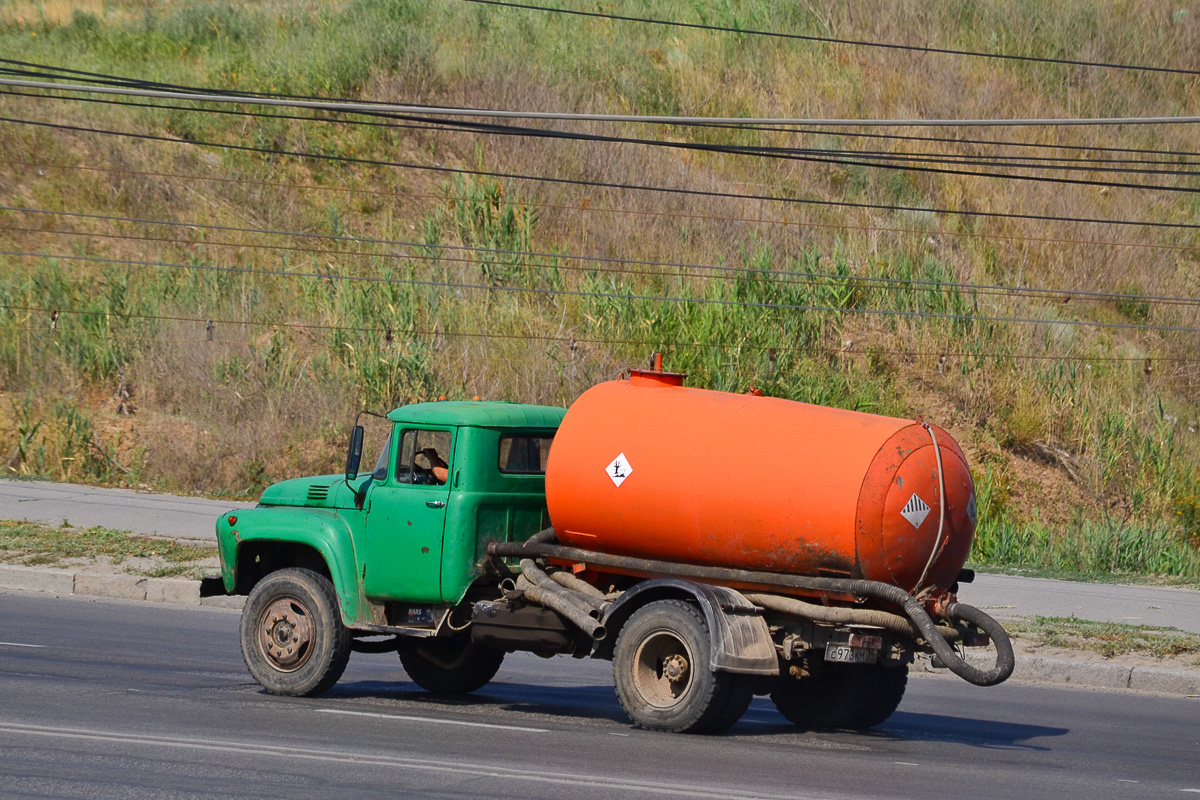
(1005, 658)
(844, 616)
(544, 536)
(858, 587)
(534, 574)
(557, 601)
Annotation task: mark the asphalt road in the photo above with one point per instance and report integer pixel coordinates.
(193, 517)
(128, 701)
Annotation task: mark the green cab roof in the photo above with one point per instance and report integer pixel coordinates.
(479, 414)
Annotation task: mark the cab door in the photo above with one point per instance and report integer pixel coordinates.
(400, 554)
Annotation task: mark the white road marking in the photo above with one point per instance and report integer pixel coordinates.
(18, 644)
(481, 770)
(405, 718)
(1193, 791)
(1126, 780)
(906, 763)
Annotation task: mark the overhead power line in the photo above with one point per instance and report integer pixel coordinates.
(586, 207)
(569, 339)
(705, 193)
(43, 71)
(741, 369)
(831, 40)
(395, 108)
(734, 272)
(910, 161)
(626, 296)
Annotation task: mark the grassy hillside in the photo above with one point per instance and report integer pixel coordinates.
(1084, 439)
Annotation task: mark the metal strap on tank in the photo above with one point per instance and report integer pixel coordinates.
(937, 542)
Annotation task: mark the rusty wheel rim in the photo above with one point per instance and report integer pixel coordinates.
(663, 669)
(285, 633)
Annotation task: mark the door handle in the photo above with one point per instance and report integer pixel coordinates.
(436, 503)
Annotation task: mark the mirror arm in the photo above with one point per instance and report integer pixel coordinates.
(354, 455)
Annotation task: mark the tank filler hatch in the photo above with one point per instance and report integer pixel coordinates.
(654, 376)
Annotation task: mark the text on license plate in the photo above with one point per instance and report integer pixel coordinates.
(852, 655)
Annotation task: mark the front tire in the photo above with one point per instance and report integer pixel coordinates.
(293, 639)
(660, 667)
(450, 666)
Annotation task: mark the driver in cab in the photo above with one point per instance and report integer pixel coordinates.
(437, 465)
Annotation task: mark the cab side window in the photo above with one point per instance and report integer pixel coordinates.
(424, 457)
(524, 454)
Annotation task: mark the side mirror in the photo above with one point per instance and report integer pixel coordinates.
(354, 453)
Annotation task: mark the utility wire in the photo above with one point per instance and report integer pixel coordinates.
(601, 184)
(1060, 163)
(47, 71)
(398, 108)
(741, 369)
(830, 40)
(830, 157)
(629, 296)
(588, 207)
(567, 339)
(750, 273)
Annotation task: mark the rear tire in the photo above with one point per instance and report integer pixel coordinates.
(450, 666)
(293, 639)
(660, 667)
(854, 696)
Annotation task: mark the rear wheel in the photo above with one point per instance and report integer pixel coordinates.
(450, 666)
(660, 667)
(292, 635)
(855, 696)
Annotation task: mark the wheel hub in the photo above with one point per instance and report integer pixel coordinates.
(662, 673)
(286, 633)
(675, 668)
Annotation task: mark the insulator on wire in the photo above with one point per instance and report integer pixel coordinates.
(54, 320)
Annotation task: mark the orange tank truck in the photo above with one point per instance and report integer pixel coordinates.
(649, 468)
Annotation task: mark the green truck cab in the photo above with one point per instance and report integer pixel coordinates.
(334, 561)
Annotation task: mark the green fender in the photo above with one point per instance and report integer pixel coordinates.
(324, 530)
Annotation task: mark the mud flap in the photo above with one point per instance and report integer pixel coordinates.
(741, 642)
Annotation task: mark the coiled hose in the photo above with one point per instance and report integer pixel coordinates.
(539, 545)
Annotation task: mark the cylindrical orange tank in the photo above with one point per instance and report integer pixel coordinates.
(648, 468)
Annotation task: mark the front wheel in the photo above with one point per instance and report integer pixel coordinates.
(450, 666)
(293, 639)
(664, 683)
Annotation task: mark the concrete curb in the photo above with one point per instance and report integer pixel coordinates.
(110, 586)
(1088, 673)
(182, 592)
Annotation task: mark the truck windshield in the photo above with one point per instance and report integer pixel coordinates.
(381, 466)
(525, 454)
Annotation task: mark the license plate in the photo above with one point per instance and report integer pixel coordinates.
(850, 655)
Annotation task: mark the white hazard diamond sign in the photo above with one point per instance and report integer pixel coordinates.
(915, 511)
(619, 469)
